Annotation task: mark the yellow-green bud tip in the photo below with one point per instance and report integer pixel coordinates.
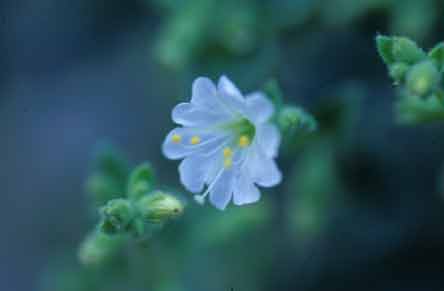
(159, 206)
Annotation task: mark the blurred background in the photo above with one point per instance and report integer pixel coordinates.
(361, 205)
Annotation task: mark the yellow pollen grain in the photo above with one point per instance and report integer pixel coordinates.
(228, 152)
(195, 140)
(228, 162)
(244, 141)
(176, 138)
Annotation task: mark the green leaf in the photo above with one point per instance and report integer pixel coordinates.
(384, 45)
(406, 50)
(141, 181)
(274, 92)
(398, 71)
(417, 110)
(98, 248)
(398, 49)
(437, 55)
(108, 178)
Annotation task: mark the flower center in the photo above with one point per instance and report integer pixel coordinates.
(244, 130)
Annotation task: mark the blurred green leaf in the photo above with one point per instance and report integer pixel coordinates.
(413, 18)
(99, 248)
(384, 45)
(141, 181)
(108, 178)
(437, 55)
(414, 109)
(311, 200)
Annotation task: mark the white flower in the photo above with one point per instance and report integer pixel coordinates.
(226, 143)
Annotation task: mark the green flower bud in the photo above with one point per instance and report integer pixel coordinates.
(141, 181)
(406, 51)
(98, 247)
(422, 79)
(117, 214)
(291, 117)
(398, 71)
(158, 207)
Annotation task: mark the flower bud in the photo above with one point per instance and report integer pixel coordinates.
(422, 79)
(158, 207)
(398, 71)
(98, 247)
(117, 214)
(291, 117)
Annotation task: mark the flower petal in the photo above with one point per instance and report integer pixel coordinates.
(259, 108)
(222, 191)
(270, 176)
(225, 85)
(204, 93)
(182, 146)
(193, 172)
(245, 191)
(269, 139)
(230, 95)
(262, 170)
(188, 114)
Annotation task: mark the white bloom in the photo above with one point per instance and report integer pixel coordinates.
(226, 143)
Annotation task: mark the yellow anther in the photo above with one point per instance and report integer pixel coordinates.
(244, 141)
(228, 152)
(228, 162)
(176, 138)
(195, 140)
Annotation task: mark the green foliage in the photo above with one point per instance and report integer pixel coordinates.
(109, 174)
(274, 92)
(134, 214)
(310, 200)
(414, 18)
(419, 76)
(211, 34)
(117, 216)
(141, 181)
(415, 110)
(98, 248)
(398, 50)
(291, 120)
(437, 55)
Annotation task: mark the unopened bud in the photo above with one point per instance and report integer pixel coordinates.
(422, 78)
(98, 247)
(117, 215)
(158, 207)
(398, 71)
(291, 117)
